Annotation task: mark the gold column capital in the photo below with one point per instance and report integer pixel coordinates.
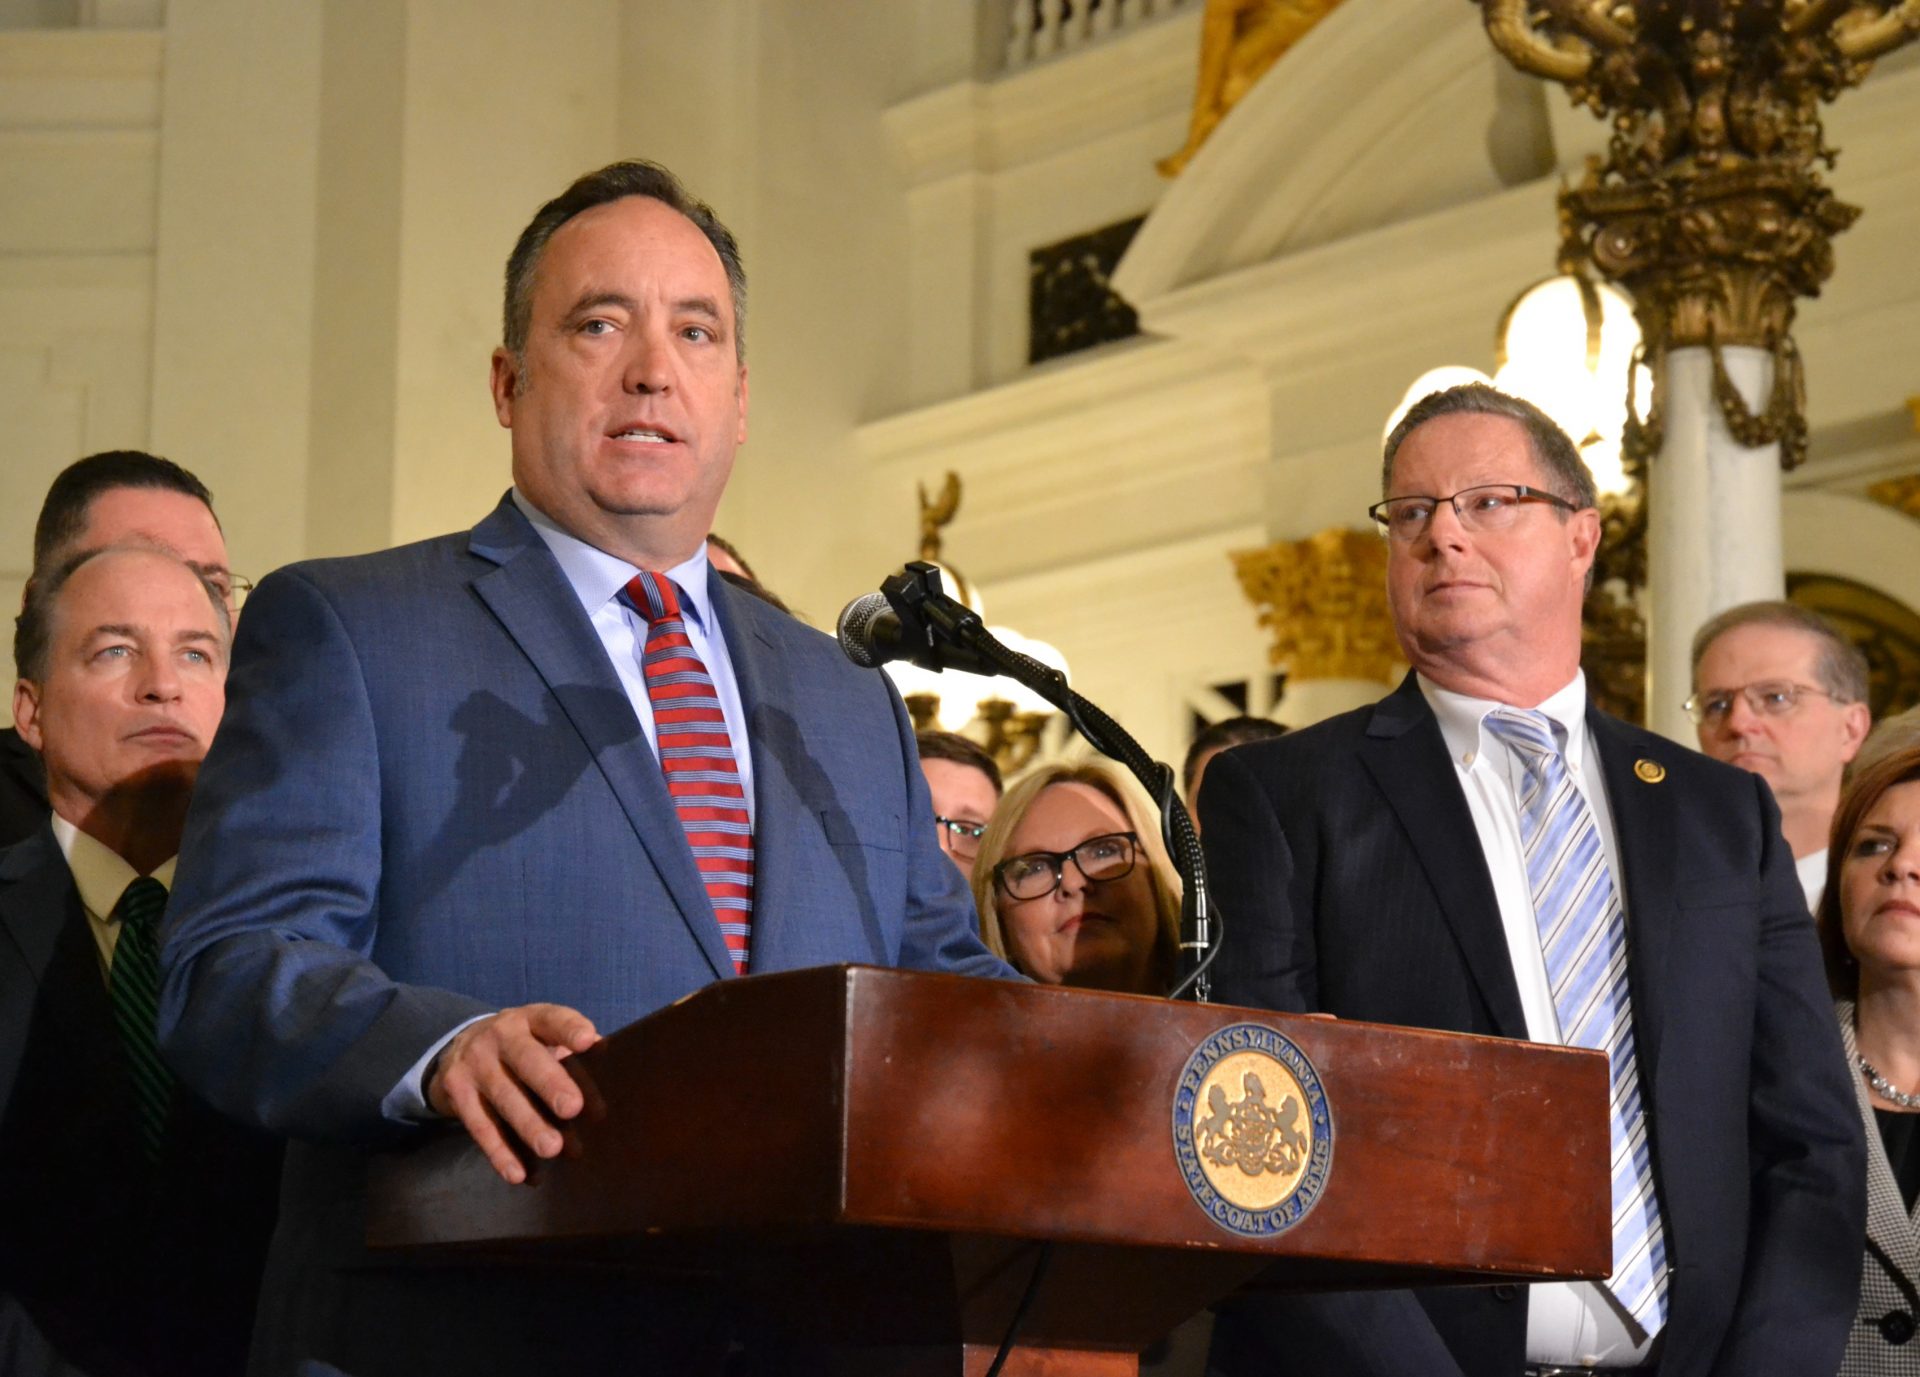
(1324, 599)
(1709, 207)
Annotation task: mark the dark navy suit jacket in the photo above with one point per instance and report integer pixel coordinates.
(430, 797)
(1352, 880)
(125, 1269)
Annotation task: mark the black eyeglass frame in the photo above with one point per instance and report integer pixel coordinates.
(1057, 863)
(957, 829)
(1522, 493)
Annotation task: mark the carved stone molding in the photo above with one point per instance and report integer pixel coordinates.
(1324, 599)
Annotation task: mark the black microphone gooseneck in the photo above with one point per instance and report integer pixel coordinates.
(931, 619)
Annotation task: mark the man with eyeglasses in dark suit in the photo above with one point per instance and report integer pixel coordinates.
(1485, 852)
(1779, 691)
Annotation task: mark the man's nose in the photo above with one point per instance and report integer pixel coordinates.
(1741, 719)
(158, 680)
(1444, 530)
(649, 363)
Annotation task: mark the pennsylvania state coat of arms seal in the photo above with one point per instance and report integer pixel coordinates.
(1252, 1130)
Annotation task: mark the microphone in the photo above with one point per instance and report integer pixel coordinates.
(898, 623)
(911, 618)
(870, 632)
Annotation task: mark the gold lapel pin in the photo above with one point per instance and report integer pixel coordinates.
(1651, 771)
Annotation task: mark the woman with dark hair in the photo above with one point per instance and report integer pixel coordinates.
(1870, 934)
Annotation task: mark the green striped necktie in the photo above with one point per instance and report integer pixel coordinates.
(133, 984)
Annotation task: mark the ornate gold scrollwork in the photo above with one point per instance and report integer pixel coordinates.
(1324, 599)
(1709, 207)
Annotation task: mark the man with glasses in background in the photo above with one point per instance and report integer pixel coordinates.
(1484, 852)
(1778, 691)
(119, 497)
(965, 784)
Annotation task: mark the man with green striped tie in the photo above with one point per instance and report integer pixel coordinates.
(133, 1220)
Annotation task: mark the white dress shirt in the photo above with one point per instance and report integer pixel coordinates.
(101, 875)
(1812, 871)
(1568, 1323)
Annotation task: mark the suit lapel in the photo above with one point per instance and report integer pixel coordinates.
(1645, 821)
(1407, 757)
(58, 979)
(1888, 1223)
(533, 601)
(777, 808)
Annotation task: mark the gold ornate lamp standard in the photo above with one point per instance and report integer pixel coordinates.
(1710, 210)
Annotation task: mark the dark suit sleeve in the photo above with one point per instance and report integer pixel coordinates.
(1807, 1149)
(271, 1007)
(1263, 884)
(1266, 958)
(941, 931)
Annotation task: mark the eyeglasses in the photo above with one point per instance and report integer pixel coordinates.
(231, 587)
(1039, 873)
(1489, 507)
(961, 838)
(1768, 698)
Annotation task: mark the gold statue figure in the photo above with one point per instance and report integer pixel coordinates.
(1239, 41)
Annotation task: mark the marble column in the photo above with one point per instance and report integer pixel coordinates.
(1713, 522)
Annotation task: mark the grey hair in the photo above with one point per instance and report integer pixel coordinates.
(1840, 668)
(1557, 457)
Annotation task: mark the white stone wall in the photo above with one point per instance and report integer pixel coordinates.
(266, 240)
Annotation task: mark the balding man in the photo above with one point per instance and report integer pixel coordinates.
(133, 1221)
(116, 497)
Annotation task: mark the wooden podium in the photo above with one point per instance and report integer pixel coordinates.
(873, 1158)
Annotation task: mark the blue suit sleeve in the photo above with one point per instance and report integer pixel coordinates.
(271, 1005)
(941, 931)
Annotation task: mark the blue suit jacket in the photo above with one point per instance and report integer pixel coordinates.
(430, 797)
(1346, 862)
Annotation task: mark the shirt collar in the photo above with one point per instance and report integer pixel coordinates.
(597, 577)
(1462, 717)
(100, 873)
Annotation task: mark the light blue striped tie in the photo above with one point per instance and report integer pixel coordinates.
(1583, 935)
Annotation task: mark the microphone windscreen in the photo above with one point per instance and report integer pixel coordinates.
(855, 629)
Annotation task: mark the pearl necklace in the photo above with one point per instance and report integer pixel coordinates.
(1884, 1087)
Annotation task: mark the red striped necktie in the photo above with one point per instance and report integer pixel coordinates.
(696, 755)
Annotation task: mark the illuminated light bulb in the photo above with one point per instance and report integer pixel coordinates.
(1433, 380)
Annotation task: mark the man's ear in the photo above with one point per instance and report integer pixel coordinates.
(1586, 536)
(26, 711)
(1856, 720)
(503, 380)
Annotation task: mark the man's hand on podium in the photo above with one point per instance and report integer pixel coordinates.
(505, 1069)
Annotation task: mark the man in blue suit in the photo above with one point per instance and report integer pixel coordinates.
(449, 833)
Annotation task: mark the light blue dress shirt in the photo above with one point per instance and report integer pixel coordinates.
(597, 578)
